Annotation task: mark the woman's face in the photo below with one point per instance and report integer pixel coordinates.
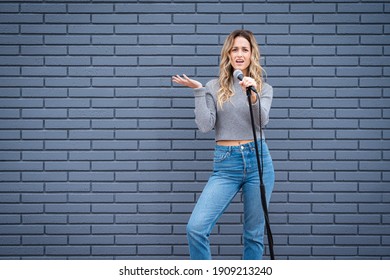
(240, 54)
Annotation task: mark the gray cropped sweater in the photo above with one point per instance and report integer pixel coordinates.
(233, 121)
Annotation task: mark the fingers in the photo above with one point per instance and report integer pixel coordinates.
(179, 80)
(185, 81)
(247, 82)
(243, 87)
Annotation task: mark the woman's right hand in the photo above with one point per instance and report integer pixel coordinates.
(185, 81)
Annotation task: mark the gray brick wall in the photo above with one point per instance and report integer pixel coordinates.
(100, 155)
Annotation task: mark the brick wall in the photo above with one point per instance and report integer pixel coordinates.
(100, 156)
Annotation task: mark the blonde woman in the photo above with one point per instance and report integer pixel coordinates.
(222, 105)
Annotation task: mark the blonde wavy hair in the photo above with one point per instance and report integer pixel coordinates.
(226, 70)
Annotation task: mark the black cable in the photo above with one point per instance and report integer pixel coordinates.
(260, 170)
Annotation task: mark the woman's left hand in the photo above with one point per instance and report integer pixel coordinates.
(247, 82)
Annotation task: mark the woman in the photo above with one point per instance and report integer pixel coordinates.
(223, 105)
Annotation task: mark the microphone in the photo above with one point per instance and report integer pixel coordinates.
(239, 75)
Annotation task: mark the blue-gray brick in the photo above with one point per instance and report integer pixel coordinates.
(101, 157)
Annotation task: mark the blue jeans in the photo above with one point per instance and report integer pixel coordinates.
(235, 168)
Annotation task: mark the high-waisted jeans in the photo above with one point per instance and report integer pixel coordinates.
(235, 168)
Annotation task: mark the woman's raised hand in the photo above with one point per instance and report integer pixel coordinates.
(185, 81)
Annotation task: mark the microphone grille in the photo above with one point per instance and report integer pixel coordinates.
(238, 74)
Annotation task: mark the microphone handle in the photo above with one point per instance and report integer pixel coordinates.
(252, 89)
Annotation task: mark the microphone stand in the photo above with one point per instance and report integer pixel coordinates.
(259, 166)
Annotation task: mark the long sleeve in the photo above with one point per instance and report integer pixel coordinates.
(265, 101)
(205, 109)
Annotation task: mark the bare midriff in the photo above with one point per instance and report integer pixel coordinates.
(233, 142)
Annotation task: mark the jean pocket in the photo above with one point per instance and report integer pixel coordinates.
(220, 156)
